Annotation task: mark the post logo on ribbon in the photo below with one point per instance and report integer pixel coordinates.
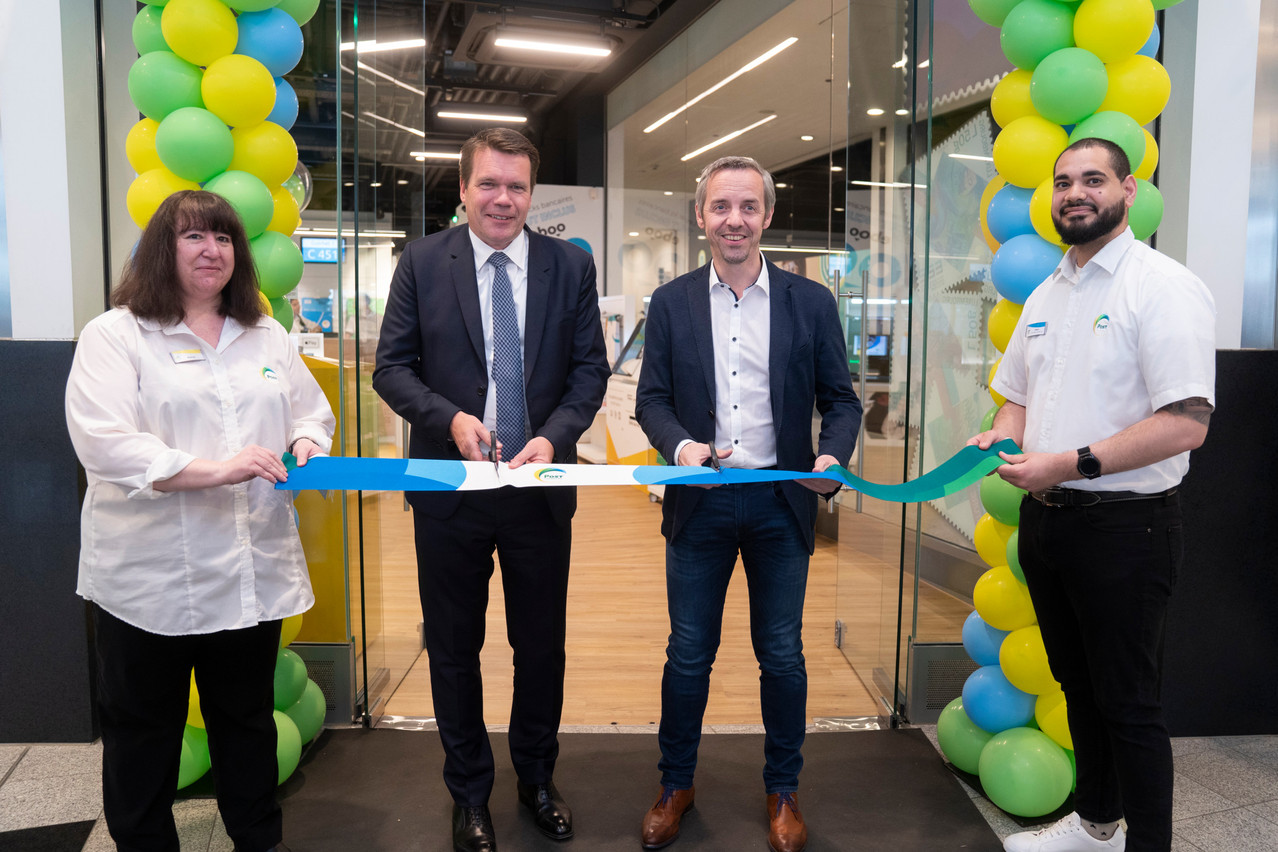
(550, 474)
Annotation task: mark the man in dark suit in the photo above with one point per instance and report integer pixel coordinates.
(737, 355)
(490, 327)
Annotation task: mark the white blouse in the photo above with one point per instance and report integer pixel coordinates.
(143, 401)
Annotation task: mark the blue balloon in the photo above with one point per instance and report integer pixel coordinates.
(993, 704)
(1021, 264)
(271, 37)
(982, 641)
(1009, 214)
(284, 113)
(1151, 46)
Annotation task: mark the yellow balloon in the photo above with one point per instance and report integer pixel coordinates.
(1026, 150)
(270, 312)
(194, 717)
(266, 151)
(1053, 718)
(1145, 171)
(149, 190)
(289, 629)
(1002, 600)
(199, 31)
(990, 538)
(287, 216)
(139, 146)
(239, 90)
(1113, 29)
(1041, 213)
(1010, 99)
(1024, 662)
(1002, 322)
(998, 398)
(1139, 86)
(995, 184)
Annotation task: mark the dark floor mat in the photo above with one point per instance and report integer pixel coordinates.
(381, 791)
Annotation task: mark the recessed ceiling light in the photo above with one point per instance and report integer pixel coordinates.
(667, 192)
(781, 185)
(701, 236)
(402, 182)
(481, 116)
(836, 168)
(375, 183)
(749, 66)
(348, 183)
(634, 233)
(838, 209)
(874, 111)
(902, 112)
(726, 138)
(806, 138)
(925, 63)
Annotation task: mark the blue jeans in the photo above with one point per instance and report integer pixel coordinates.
(756, 521)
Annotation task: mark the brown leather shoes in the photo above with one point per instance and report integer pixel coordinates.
(661, 822)
(786, 830)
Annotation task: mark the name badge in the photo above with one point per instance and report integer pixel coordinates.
(181, 356)
(1035, 329)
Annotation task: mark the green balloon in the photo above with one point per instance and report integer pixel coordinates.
(1024, 772)
(1001, 499)
(248, 195)
(1146, 212)
(194, 144)
(300, 10)
(1013, 555)
(282, 312)
(992, 12)
(250, 5)
(146, 31)
(195, 756)
(288, 746)
(960, 738)
(296, 189)
(1164, 4)
(279, 264)
(1117, 127)
(309, 711)
(290, 678)
(987, 422)
(161, 81)
(1034, 30)
(1069, 85)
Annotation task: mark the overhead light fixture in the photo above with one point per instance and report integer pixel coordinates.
(781, 185)
(802, 250)
(900, 63)
(667, 192)
(402, 182)
(887, 185)
(836, 168)
(374, 46)
(972, 157)
(413, 130)
(307, 231)
(375, 183)
(925, 63)
(806, 138)
(727, 138)
(480, 116)
(634, 233)
(572, 45)
(749, 66)
(436, 155)
(874, 111)
(387, 77)
(902, 112)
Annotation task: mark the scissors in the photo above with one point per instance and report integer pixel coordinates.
(492, 450)
(714, 459)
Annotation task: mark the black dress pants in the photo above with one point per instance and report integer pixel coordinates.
(455, 564)
(144, 687)
(1100, 578)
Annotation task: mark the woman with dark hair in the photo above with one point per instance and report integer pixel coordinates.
(180, 403)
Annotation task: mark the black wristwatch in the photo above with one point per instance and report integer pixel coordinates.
(1088, 464)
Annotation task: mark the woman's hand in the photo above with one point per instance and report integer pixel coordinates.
(254, 461)
(303, 449)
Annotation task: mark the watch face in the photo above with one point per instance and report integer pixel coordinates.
(1088, 465)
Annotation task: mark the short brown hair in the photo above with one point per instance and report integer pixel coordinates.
(501, 139)
(741, 163)
(149, 283)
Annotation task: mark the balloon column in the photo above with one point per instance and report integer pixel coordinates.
(1083, 69)
(209, 80)
(299, 714)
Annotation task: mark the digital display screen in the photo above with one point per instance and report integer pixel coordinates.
(323, 249)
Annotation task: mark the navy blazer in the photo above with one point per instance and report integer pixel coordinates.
(807, 365)
(430, 357)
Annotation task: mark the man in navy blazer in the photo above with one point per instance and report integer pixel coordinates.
(737, 355)
(448, 338)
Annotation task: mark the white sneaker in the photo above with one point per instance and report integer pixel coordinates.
(1065, 835)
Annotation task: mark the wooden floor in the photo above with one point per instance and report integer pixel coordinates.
(618, 625)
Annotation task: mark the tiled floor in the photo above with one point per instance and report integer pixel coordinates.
(1226, 796)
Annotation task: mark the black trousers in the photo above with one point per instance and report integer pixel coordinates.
(144, 687)
(454, 565)
(1100, 578)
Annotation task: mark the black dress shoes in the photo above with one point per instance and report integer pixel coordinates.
(473, 830)
(551, 815)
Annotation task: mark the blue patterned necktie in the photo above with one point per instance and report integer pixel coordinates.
(508, 361)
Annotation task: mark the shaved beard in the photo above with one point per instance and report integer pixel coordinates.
(1081, 233)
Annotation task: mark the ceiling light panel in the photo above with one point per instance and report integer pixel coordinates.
(744, 69)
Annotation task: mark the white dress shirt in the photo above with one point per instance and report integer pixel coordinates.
(143, 401)
(742, 334)
(517, 271)
(1101, 348)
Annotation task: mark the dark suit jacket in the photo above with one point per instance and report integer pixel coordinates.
(807, 365)
(430, 358)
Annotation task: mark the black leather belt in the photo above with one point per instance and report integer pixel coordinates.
(1077, 498)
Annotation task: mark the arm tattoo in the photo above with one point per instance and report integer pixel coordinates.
(1195, 408)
